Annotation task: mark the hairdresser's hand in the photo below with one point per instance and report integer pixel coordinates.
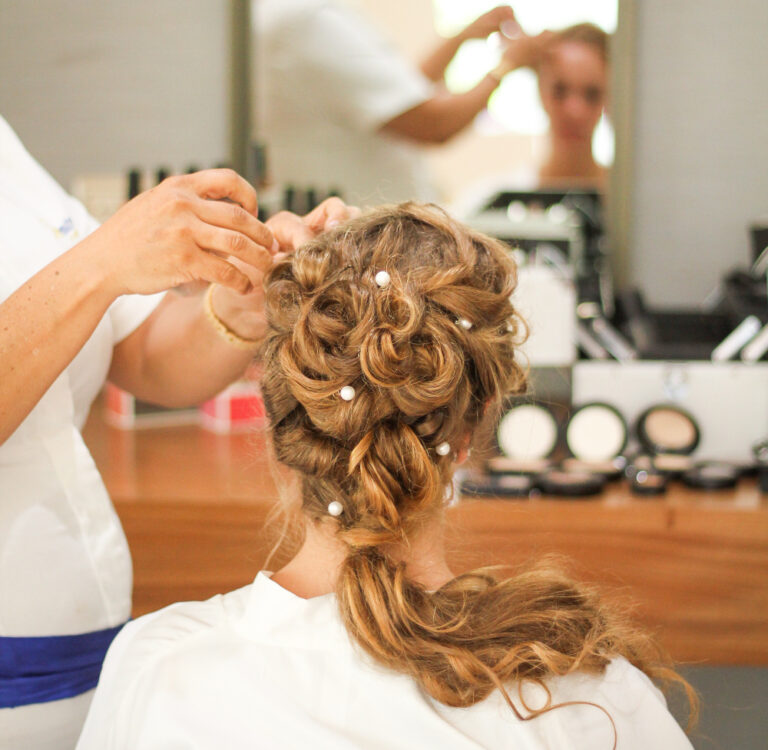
(329, 214)
(528, 51)
(181, 232)
(501, 18)
(245, 313)
(291, 231)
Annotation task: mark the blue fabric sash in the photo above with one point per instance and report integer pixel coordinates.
(40, 669)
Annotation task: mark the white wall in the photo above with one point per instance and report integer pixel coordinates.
(94, 86)
(700, 142)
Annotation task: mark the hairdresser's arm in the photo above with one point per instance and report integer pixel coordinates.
(435, 64)
(168, 236)
(177, 357)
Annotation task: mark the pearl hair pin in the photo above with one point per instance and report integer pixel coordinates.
(335, 508)
(382, 278)
(347, 393)
(443, 449)
(464, 323)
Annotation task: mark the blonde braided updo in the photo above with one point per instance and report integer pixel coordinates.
(420, 379)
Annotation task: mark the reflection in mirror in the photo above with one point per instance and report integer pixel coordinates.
(351, 98)
(549, 107)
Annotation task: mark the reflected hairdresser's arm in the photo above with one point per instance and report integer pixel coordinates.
(177, 357)
(168, 236)
(444, 115)
(435, 64)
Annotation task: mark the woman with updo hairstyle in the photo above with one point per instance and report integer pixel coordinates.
(391, 343)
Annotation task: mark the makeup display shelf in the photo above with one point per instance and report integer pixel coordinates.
(195, 505)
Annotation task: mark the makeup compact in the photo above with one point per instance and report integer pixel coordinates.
(595, 435)
(570, 483)
(712, 475)
(610, 469)
(478, 484)
(666, 429)
(527, 436)
(672, 465)
(506, 465)
(648, 483)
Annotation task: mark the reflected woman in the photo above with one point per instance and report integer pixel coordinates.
(572, 69)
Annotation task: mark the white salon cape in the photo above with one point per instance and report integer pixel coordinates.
(262, 668)
(326, 81)
(65, 568)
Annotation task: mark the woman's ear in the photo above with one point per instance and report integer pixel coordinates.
(462, 454)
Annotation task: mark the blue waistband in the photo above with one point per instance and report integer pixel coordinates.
(40, 669)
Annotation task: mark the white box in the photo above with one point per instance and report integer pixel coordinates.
(729, 400)
(547, 302)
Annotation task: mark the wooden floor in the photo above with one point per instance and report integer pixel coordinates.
(194, 507)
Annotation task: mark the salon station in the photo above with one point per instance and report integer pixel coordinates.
(616, 147)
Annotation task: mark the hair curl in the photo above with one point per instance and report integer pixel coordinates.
(420, 380)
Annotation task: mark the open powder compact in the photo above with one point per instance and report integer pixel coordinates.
(712, 475)
(527, 436)
(639, 462)
(570, 483)
(505, 465)
(648, 483)
(479, 484)
(665, 429)
(672, 464)
(596, 434)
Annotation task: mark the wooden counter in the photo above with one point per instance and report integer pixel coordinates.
(194, 507)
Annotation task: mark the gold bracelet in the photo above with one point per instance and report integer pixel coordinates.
(222, 328)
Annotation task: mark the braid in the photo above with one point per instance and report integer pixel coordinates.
(422, 381)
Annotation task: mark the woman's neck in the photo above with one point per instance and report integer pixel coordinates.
(314, 569)
(572, 162)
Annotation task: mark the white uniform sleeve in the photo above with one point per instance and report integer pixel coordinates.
(130, 311)
(360, 79)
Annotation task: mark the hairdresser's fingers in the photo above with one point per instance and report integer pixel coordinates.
(490, 21)
(330, 213)
(225, 242)
(289, 230)
(216, 270)
(222, 183)
(234, 217)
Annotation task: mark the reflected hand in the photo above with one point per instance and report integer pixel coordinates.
(528, 51)
(501, 18)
